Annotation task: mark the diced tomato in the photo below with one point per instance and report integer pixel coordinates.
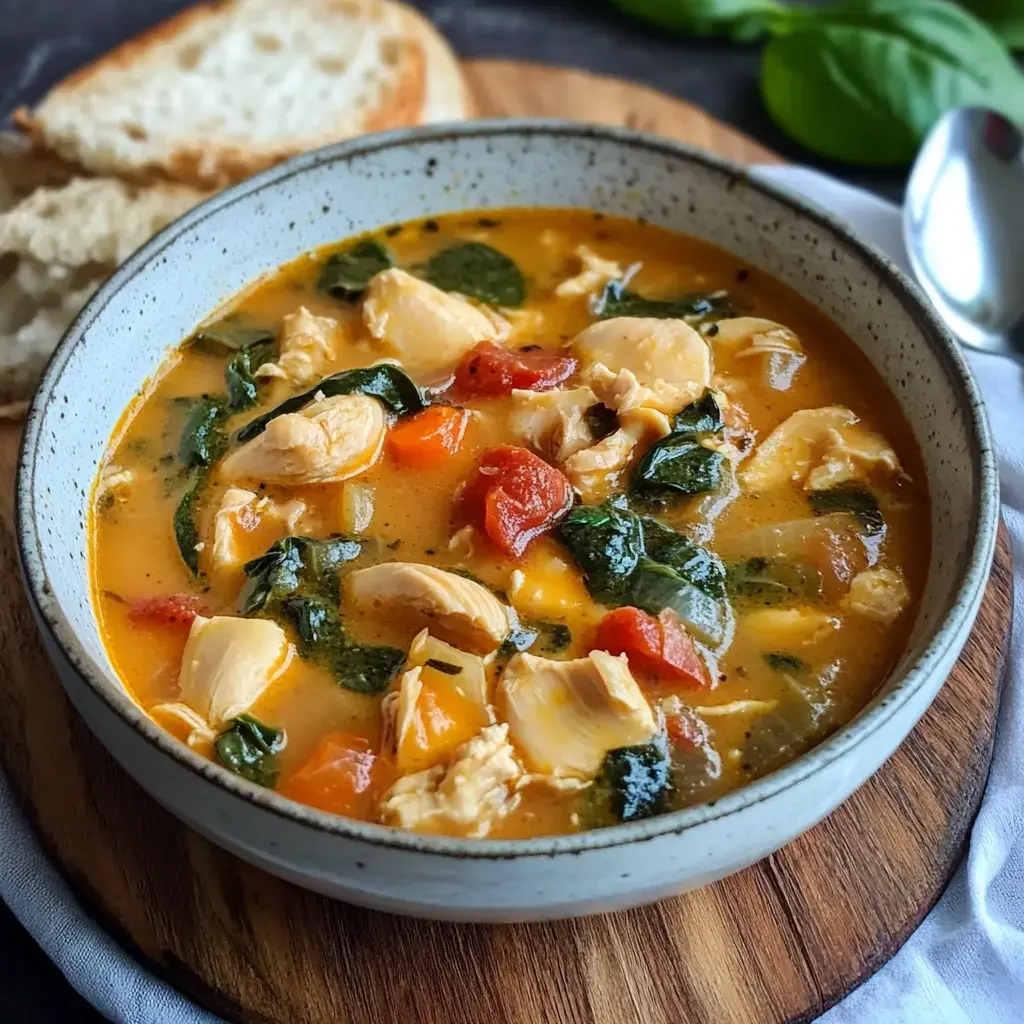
(686, 730)
(343, 776)
(429, 437)
(515, 496)
(654, 646)
(488, 370)
(166, 610)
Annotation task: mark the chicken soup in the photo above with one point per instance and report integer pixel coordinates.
(510, 524)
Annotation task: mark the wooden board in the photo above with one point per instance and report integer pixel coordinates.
(780, 941)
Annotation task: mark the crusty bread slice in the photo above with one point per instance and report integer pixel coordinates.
(226, 89)
(57, 246)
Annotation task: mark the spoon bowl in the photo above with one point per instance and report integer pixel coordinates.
(963, 223)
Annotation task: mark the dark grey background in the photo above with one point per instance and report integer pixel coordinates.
(41, 40)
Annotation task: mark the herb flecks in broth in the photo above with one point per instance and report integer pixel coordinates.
(550, 535)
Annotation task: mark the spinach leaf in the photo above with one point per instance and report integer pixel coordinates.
(699, 418)
(676, 463)
(696, 564)
(863, 81)
(772, 581)
(443, 666)
(545, 637)
(363, 668)
(858, 501)
(1004, 17)
(553, 637)
(203, 441)
(345, 275)
(477, 270)
(384, 381)
(250, 748)
(520, 638)
(607, 542)
(298, 563)
(243, 388)
(186, 530)
(616, 300)
(228, 336)
(783, 661)
(635, 782)
(741, 20)
(655, 587)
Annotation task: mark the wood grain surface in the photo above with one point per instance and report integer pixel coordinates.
(780, 941)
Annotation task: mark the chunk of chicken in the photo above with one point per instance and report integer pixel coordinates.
(564, 716)
(458, 609)
(668, 358)
(331, 439)
(242, 512)
(596, 471)
(819, 448)
(780, 628)
(305, 347)
(468, 797)
(751, 337)
(427, 329)
(553, 422)
(440, 703)
(878, 594)
(114, 482)
(189, 726)
(595, 274)
(228, 663)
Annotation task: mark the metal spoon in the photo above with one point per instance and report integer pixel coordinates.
(963, 224)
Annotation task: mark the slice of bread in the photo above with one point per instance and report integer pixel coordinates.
(57, 246)
(226, 89)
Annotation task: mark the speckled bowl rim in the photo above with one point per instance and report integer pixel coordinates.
(108, 689)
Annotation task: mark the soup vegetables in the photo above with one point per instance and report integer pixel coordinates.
(534, 534)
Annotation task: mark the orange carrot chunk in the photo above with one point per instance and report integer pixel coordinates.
(429, 437)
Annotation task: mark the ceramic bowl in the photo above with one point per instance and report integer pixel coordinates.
(175, 281)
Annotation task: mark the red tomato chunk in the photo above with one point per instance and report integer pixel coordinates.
(489, 371)
(166, 610)
(654, 646)
(515, 496)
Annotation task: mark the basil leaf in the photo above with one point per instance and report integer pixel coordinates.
(203, 441)
(346, 275)
(742, 20)
(384, 381)
(1004, 17)
(699, 418)
(243, 388)
(676, 463)
(186, 530)
(249, 748)
(616, 300)
(232, 334)
(295, 563)
(695, 564)
(607, 542)
(783, 661)
(863, 81)
(635, 782)
(858, 501)
(772, 581)
(655, 587)
(362, 668)
(477, 270)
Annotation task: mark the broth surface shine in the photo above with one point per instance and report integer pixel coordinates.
(597, 436)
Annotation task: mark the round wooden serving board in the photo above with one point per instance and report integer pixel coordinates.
(780, 941)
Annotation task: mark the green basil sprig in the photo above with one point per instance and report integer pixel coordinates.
(863, 81)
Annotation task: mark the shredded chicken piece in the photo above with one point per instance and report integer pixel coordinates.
(595, 274)
(306, 346)
(878, 594)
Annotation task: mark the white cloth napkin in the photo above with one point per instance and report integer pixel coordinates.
(964, 965)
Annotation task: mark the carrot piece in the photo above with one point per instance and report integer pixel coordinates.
(343, 776)
(429, 437)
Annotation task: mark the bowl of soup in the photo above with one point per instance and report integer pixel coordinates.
(505, 521)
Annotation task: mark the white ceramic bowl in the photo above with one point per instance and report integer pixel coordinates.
(158, 297)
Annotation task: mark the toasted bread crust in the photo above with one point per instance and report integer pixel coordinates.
(424, 55)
